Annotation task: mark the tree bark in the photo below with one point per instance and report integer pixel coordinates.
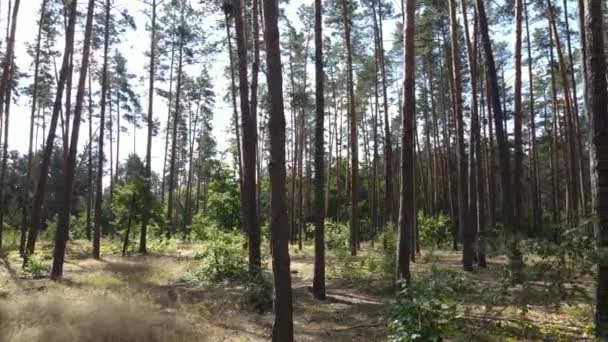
(102, 123)
(282, 330)
(318, 283)
(36, 220)
(598, 110)
(28, 177)
(406, 211)
(354, 142)
(63, 222)
(249, 131)
(515, 257)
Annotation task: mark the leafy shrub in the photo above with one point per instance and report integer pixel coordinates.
(36, 266)
(425, 309)
(224, 258)
(203, 227)
(259, 293)
(336, 234)
(162, 246)
(434, 230)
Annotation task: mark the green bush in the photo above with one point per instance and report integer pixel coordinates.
(36, 266)
(162, 245)
(203, 227)
(425, 310)
(259, 293)
(434, 230)
(224, 258)
(336, 235)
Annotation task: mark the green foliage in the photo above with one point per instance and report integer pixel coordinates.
(425, 309)
(162, 246)
(258, 292)
(434, 231)
(132, 201)
(336, 235)
(36, 266)
(223, 206)
(224, 258)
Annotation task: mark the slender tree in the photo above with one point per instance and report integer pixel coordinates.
(282, 330)
(598, 110)
(354, 141)
(102, 124)
(318, 284)
(36, 217)
(63, 223)
(408, 114)
(249, 132)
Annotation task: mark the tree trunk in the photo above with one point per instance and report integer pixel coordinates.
(102, 123)
(5, 91)
(354, 142)
(28, 178)
(406, 211)
(318, 283)
(515, 257)
(249, 131)
(518, 118)
(598, 110)
(282, 330)
(36, 220)
(148, 170)
(461, 160)
(63, 222)
(176, 117)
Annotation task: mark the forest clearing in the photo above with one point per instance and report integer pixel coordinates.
(327, 170)
(153, 298)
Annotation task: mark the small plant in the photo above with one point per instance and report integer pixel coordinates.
(162, 245)
(336, 234)
(224, 258)
(425, 309)
(36, 266)
(434, 231)
(258, 293)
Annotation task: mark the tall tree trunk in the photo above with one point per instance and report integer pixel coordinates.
(36, 220)
(517, 184)
(477, 218)
(570, 126)
(5, 95)
(536, 197)
(354, 142)
(176, 117)
(282, 330)
(598, 110)
(63, 223)
(102, 124)
(168, 130)
(235, 114)
(249, 131)
(515, 257)
(30, 154)
(318, 283)
(408, 115)
(255, 69)
(150, 121)
(90, 159)
(461, 160)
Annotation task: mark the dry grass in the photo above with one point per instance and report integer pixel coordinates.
(97, 319)
(142, 298)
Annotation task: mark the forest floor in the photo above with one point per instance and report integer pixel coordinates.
(145, 298)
